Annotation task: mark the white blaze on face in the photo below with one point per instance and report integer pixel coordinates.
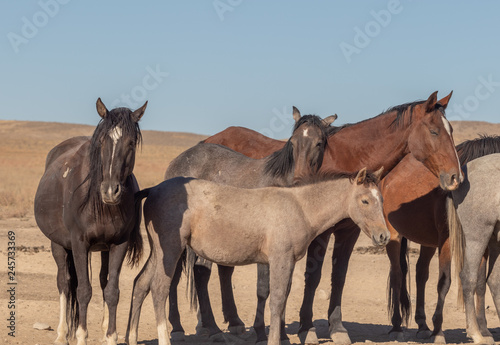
(305, 132)
(376, 194)
(115, 134)
(447, 126)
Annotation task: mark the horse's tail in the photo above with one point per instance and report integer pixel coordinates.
(135, 243)
(188, 260)
(404, 296)
(457, 244)
(73, 315)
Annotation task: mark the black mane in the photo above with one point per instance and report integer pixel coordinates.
(281, 163)
(117, 117)
(333, 175)
(479, 147)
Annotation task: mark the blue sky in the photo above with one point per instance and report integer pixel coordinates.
(207, 65)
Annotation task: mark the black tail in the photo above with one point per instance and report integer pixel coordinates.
(73, 316)
(404, 297)
(135, 243)
(189, 258)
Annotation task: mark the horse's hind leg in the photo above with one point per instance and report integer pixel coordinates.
(202, 273)
(236, 326)
(480, 298)
(422, 275)
(315, 257)
(111, 291)
(103, 280)
(174, 316)
(142, 285)
(63, 285)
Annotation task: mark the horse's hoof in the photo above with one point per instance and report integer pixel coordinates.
(177, 336)
(237, 330)
(285, 342)
(61, 342)
(262, 342)
(439, 339)
(309, 337)
(202, 332)
(425, 334)
(397, 336)
(341, 338)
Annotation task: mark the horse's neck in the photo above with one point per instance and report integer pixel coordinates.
(371, 144)
(324, 204)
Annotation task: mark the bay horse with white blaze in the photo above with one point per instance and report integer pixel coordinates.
(85, 202)
(417, 128)
(235, 226)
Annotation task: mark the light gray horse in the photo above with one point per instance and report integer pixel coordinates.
(300, 158)
(234, 226)
(474, 220)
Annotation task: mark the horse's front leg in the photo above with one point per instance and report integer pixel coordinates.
(393, 250)
(314, 262)
(63, 285)
(422, 275)
(84, 289)
(443, 287)
(236, 326)
(103, 281)
(494, 269)
(345, 240)
(281, 270)
(480, 297)
(112, 291)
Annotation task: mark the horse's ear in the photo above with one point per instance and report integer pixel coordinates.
(378, 174)
(101, 108)
(361, 176)
(296, 114)
(327, 121)
(136, 115)
(430, 104)
(444, 101)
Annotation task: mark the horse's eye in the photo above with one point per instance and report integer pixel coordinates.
(319, 144)
(364, 201)
(433, 132)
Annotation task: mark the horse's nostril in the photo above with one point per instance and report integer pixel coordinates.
(117, 189)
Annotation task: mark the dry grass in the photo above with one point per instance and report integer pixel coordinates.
(24, 146)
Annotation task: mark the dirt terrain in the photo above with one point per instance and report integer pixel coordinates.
(22, 153)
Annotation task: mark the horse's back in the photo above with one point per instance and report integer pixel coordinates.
(246, 141)
(219, 164)
(63, 148)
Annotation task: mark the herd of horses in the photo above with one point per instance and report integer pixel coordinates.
(239, 197)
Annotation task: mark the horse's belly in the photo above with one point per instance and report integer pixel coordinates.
(232, 251)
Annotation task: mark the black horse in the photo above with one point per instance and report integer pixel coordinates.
(84, 203)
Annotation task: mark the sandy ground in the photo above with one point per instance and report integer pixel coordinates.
(364, 300)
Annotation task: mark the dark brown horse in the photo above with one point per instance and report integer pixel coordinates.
(419, 129)
(415, 209)
(84, 203)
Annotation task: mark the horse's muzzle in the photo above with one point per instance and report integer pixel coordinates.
(111, 193)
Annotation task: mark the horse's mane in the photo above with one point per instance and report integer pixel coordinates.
(281, 163)
(479, 147)
(329, 175)
(403, 111)
(117, 117)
